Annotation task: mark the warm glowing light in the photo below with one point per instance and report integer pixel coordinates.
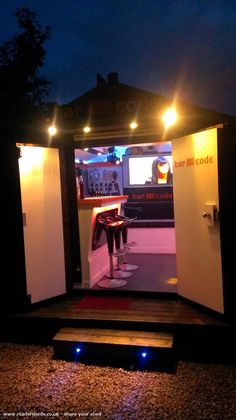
(87, 129)
(169, 117)
(32, 160)
(172, 280)
(52, 130)
(133, 125)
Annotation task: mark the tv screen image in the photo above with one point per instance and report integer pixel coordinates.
(150, 170)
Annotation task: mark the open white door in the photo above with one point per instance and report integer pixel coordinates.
(198, 253)
(43, 229)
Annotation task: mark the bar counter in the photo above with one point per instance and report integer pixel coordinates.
(94, 263)
(101, 201)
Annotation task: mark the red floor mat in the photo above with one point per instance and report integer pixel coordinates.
(104, 302)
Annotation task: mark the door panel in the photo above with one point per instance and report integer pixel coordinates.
(42, 217)
(198, 252)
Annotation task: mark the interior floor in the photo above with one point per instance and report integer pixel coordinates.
(155, 273)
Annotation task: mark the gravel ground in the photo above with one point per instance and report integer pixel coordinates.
(33, 385)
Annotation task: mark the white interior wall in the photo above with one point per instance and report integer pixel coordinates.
(152, 240)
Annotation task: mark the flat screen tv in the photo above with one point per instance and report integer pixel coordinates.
(148, 170)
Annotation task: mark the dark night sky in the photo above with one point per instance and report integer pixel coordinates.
(172, 47)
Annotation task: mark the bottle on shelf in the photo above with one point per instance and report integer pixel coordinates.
(101, 190)
(92, 192)
(81, 186)
(106, 190)
(113, 192)
(109, 189)
(117, 188)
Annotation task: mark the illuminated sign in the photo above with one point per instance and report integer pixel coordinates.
(192, 161)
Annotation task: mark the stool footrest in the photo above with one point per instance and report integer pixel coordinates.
(118, 253)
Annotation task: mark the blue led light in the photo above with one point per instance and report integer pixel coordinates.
(144, 354)
(78, 350)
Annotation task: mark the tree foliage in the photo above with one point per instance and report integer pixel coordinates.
(22, 88)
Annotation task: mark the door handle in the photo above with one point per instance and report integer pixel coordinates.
(211, 214)
(24, 218)
(206, 215)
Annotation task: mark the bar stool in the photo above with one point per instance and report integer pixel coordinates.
(124, 231)
(111, 225)
(119, 272)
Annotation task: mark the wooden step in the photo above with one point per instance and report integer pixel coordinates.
(137, 349)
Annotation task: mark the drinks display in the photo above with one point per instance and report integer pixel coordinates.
(104, 181)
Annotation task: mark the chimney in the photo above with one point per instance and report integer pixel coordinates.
(113, 78)
(100, 80)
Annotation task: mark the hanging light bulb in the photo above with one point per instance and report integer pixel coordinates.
(169, 117)
(52, 130)
(133, 125)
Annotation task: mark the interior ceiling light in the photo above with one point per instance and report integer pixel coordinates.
(86, 149)
(87, 129)
(133, 125)
(169, 117)
(52, 130)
